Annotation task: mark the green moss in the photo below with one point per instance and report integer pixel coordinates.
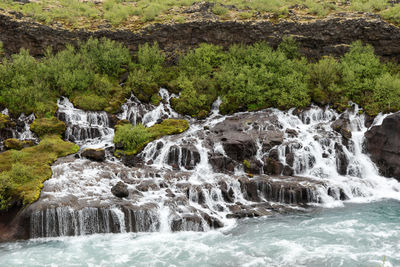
(23, 172)
(132, 139)
(16, 144)
(246, 164)
(5, 121)
(44, 126)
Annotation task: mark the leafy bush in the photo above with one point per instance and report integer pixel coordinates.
(149, 73)
(360, 68)
(324, 80)
(87, 74)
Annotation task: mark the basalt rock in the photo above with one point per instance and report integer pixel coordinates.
(120, 190)
(185, 156)
(317, 37)
(342, 126)
(94, 154)
(383, 144)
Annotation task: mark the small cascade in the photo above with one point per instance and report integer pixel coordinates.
(20, 129)
(136, 112)
(86, 128)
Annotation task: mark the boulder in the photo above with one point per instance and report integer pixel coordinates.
(120, 190)
(94, 154)
(382, 142)
(342, 126)
(16, 144)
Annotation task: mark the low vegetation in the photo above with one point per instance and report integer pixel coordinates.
(245, 77)
(87, 74)
(135, 14)
(23, 172)
(256, 76)
(132, 139)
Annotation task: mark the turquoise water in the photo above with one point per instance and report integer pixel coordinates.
(353, 235)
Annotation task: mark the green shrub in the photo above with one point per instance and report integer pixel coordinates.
(149, 72)
(324, 80)
(386, 95)
(289, 47)
(219, 10)
(88, 73)
(360, 68)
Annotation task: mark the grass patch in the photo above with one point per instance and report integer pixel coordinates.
(23, 172)
(135, 14)
(132, 139)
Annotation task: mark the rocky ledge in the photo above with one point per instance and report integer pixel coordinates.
(317, 37)
(80, 199)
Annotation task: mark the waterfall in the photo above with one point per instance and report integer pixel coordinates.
(84, 127)
(222, 168)
(21, 130)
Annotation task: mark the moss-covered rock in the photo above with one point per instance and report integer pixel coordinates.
(23, 172)
(131, 139)
(5, 121)
(45, 126)
(13, 143)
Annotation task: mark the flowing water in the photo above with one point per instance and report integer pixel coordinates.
(340, 211)
(353, 235)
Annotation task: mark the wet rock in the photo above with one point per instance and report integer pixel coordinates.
(383, 144)
(94, 154)
(271, 139)
(186, 156)
(290, 159)
(342, 126)
(249, 189)
(272, 166)
(147, 185)
(222, 164)
(287, 171)
(120, 190)
(291, 133)
(212, 222)
(252, 166)
(228, 195)
(342, 161)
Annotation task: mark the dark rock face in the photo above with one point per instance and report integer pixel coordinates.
(238, 136)
(185, 156)
(94, 154)
(120, 190)
(383, 144)
(342, 126)
(319, 37)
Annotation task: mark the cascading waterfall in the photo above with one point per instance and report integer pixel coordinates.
(85, 128)
(21, 131)
(182, 186)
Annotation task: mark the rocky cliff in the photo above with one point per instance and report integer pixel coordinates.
(317, 37)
